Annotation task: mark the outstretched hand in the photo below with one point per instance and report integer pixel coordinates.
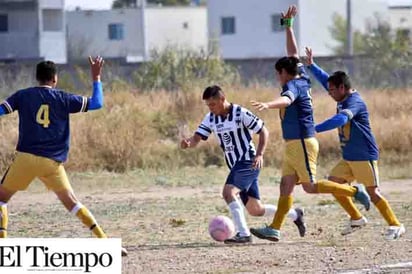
(259, 105)
(291, 13)
(309, 56)
(96, 66)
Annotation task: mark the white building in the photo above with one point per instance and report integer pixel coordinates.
(400, 12)
(132, 33)
(32, 29)
(247, 29)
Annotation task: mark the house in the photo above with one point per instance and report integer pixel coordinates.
(400, 13)
(247, 29)
(132, 33)
(32, 29)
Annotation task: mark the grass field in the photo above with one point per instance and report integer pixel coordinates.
(162, 219)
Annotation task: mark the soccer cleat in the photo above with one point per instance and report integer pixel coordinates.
(354, 225)
(237, 239)
(299, 222)
(124, 252)
(362, 196)
(394, 232)
(266, 233)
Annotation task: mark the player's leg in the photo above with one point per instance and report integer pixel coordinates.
(367, 173)
(57, 181)
(306, 154)
(342, 174)
(254, 206)
(17, 177)
(285, 201)
(240, 178)
(5, 196)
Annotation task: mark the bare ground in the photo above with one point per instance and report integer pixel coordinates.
(165, 230)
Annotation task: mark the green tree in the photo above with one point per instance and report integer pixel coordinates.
(386, 53)
(338, 32)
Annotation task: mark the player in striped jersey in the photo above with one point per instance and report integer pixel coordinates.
(360, 152)
(233, 125)
(43, 142)
(301, 147)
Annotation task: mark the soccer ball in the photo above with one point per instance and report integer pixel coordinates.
(221, 228)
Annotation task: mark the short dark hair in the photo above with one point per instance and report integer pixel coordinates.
(340, 78)
(45, 71)
(289, 64)
(212, 92)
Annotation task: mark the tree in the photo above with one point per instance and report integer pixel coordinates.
(387, 53)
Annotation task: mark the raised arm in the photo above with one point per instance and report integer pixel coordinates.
(287, 21)
(320, 75)
(96, 65)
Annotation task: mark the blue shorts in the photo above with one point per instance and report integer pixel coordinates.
(244, 177)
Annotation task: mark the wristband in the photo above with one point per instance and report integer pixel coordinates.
(288, 22)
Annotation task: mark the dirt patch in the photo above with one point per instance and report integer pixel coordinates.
(145, 218)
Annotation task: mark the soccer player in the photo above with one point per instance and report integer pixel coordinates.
(301, 151)
(233, 125)
(360, 152)
(43, 142)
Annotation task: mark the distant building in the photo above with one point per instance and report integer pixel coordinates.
(246, 29)
(132, 33)
(400, 12)
(32, 29)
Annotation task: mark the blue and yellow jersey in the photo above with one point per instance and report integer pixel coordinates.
(356, 137)
(357, 140)
(44, 120)
(297, 118)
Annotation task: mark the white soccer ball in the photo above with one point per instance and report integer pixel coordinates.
(221, 228)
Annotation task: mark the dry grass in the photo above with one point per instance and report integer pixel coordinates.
(142, 130)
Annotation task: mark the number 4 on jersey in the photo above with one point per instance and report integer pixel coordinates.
(42, 116)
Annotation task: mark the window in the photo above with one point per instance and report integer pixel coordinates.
(228, 25)
(4, 24)
(116, 32)
(276, 27)
(52, 20)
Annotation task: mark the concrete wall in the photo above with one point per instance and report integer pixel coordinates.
(88, 33)
(255, 39)
(184, 26)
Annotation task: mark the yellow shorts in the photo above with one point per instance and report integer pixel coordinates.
(26, 167)
(364, 172)
(300, 159)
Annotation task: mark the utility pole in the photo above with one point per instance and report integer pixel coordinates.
(349, 36)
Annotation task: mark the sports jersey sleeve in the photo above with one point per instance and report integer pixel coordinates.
(204, 129)
(336, 121)
(251, 121)
(351, 107)
(10, 104)
(320, 75)
(290, 91)
(96, 101)
(77, 103)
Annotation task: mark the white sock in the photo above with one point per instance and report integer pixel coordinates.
(270, 211)
(239, 218)
(292, 214)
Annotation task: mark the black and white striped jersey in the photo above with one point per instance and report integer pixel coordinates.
(233, 132)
